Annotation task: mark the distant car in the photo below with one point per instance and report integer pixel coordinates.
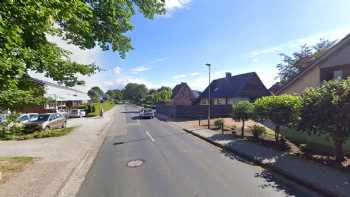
(47, 121)
(2, 118)
(77, 113)
(28, 117)
(146, 113)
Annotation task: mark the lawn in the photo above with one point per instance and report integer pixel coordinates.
(9, 166)
(38, 134)
(106, 106)
(312, 142)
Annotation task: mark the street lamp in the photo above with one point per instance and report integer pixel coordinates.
(209, 99)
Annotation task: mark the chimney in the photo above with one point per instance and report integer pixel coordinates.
(228, 75)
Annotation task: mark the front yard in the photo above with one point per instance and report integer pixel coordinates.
(36, 134)
(10, 166)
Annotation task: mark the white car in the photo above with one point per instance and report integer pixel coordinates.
(146, 113)
(77, 113)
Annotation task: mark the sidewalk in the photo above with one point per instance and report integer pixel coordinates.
(324, 179)
(56, 158)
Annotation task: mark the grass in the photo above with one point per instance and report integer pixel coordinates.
(312, 142)
(38, 134)
(106, 106)
(11, 165)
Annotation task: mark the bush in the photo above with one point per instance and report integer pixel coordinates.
(258, 131)
(243, 111)
(281, 110)
(219, 123)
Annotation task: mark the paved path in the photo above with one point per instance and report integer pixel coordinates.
(55, 157)
(175, 164)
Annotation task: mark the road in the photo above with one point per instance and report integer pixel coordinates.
(167, 162)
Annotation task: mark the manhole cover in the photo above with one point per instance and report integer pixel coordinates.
(135, 163)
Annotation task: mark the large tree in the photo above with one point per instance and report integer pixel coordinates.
(135, 92)
(298, 61)
(25, 25)
(116, 94)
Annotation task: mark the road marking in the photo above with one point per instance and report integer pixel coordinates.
(150, 137)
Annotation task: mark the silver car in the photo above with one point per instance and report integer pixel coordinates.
(146, 113)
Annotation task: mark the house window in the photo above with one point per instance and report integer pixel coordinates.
(338, 74)
(219, 101)
(204, 101)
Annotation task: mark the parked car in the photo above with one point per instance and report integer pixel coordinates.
(2, 118)
(77, 113)
(62, 111)
(146, 113)
(28, 117)
(47, 121)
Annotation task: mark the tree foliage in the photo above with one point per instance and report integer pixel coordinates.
(280, 110)
(160, 95)
(95, 93)
(293, 65)
(135, 92)
(243, 111)
(25, 25)
(115, 95)
(326, 110)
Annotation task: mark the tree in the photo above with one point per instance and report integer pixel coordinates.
(280, 110)
(135, 92)
(293, 65)
(25, 26)
(243, 111)
(115, 95)
(95, 93)
(326, 110)
(165, 94)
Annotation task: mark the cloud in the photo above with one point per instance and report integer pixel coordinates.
(140, 69)
(310, 40)
(81, 56)
(117, 70)
(157, 60)
(179, 76)
(175, 4)
(195, 74)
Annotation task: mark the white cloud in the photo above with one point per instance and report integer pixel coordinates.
(81, 56)
(176, 4)
(179, 76)
(195, 74)
(117, 70)
(140, 69)
(310, 40)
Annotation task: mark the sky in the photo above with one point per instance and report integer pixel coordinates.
(236, 36)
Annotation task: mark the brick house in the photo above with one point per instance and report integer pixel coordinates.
(183, 95)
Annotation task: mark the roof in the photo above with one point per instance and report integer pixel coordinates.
(56, 85)
(232, 86)
(322, 58)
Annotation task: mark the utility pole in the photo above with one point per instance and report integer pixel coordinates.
(209, 98)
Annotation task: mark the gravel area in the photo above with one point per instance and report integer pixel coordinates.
(56, 157)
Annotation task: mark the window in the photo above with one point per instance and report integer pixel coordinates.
(220, 101)
(204, 101)
(233, 101)
(338, 74)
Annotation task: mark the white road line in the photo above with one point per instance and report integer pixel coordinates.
(150, 137)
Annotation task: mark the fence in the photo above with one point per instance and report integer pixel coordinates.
(193, 112)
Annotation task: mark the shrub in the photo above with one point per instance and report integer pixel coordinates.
(326, 110)
(219, 123)
(258, 131)
(280, 110)
(243, 111)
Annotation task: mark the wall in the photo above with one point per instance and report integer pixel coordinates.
(193, 112)
(309, 79)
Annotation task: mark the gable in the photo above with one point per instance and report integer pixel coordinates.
(340, 57)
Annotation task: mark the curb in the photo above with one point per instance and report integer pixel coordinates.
(266, 166)
(85, 162)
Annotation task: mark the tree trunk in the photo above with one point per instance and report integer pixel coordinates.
(242, 134)
(277, 130)
(339, 153)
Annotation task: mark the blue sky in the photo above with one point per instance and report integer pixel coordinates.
(235, 36)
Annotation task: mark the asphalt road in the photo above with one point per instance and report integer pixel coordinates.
(175, 164)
